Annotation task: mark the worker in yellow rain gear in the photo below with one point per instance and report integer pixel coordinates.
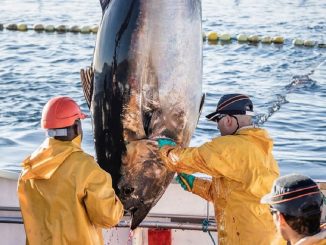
(242, 168)
(295, 202)
(65, 197)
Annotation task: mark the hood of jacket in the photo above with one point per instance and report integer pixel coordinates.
(260, 137)
(43, 162)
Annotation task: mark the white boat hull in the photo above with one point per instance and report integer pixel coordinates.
(173, 205)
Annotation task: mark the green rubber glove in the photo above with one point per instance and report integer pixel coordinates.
(186, 181)
(165, 141)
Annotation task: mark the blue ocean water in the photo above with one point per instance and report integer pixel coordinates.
(287, 83)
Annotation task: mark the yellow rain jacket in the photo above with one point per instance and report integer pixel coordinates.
(65, 197)
(243, 170)
(318, 239)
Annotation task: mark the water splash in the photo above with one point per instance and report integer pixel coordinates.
(298, 83)
(260, 119)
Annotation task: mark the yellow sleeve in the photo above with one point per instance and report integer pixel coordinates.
(203, 188)
(213, 158)
(187, 160)
(102, 205)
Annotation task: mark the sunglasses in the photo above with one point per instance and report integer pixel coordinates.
(272, 210)
(219, 117)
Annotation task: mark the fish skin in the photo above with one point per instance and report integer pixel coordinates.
(144, 83)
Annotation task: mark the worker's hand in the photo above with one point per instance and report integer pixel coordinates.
(186, 181)
(165, 141)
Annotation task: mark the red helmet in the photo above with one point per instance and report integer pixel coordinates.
(60, 112)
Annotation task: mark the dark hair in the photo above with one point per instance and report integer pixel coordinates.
(304, 225)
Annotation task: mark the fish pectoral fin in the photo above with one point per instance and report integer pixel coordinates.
(87, 78)
(147, 117)
(202, 103)
(201, 106)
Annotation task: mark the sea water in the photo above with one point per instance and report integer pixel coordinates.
(286, 83)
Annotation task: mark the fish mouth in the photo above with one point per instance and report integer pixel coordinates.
(134, 203)
(138, 214)
(144, 180)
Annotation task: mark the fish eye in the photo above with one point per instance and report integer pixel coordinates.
(127, 190)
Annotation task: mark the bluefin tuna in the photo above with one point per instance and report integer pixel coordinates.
(144, 83)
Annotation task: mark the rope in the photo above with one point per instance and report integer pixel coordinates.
(224, 38)
(50, 28)
(206, 223)
(205, 229)
(211, 37)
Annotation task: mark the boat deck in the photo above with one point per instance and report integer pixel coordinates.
(171, 212)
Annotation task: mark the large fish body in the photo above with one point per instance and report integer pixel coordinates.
(145, 82)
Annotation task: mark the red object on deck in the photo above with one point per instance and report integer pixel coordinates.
(159, 237)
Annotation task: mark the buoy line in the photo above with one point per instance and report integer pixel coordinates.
(50, 28)
(211, 37)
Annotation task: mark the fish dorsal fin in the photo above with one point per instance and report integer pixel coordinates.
(104, 4)
(87, 78)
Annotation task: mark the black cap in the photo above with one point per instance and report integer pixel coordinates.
(296, 195)
(232, 104)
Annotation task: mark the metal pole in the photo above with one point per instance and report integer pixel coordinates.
(168, 225)
(126, 224)
(150, 215)
(11, 220)
(9, 208)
